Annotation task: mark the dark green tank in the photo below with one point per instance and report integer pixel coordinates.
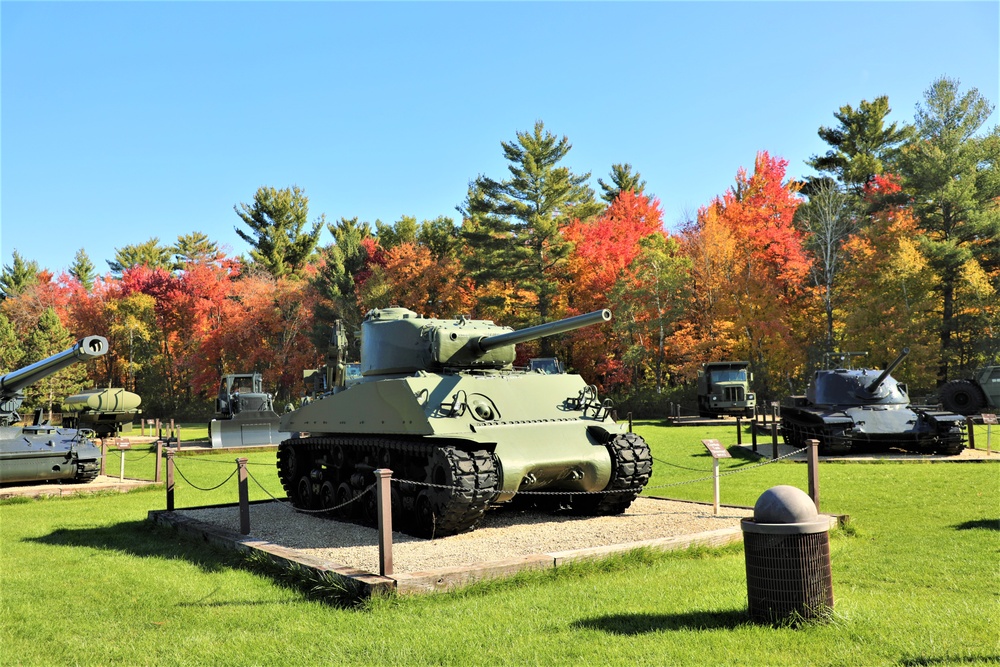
(864, 410)
(40, 452)
(439, 402)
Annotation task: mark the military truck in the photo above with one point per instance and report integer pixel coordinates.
(724, 389)
(973, 395)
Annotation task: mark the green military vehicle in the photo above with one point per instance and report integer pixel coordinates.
(108, 412)
(724, 389)
(440, 403)
(974, 395)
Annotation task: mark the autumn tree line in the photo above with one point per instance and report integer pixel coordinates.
(895, 243)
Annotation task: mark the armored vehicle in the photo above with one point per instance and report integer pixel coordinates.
(867, 410)
(724, 389)
(440, 404)
(39, 452)
(105, 411)
(977, 394)
(244, 413)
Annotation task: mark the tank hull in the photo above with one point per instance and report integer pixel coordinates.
(46, 454)
(481, 438)
(844, 430)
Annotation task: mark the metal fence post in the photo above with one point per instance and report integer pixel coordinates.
(159, 461)
(774, 440)
(813, 446)
(170, 480)
(739, 430)
(383, 496)
(241, 464)
(753, 432)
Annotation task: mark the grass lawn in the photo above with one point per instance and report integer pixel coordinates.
(86, 580)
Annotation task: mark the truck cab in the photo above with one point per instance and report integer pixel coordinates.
(724, 389)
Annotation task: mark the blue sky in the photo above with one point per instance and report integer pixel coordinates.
(123, 121)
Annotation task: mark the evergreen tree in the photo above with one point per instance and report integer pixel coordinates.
(862, 144)
(277, 220)
(343, 261)
(514, 225)
(83, 269)
(390, 236)
(953, 177)
(10, 346)
(150, 254)
(18, 276)
(48, 338)
(622, 180)
(195, 247)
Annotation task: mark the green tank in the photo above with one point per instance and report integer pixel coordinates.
(39, 452)
(440, 403)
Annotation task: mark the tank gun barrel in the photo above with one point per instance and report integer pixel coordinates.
(873, 387)
(488, 343)
(85, 349)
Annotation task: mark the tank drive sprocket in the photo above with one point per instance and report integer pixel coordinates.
(448, 493)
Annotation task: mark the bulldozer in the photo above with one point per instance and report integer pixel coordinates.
(244, 413)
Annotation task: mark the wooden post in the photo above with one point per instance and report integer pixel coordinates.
(170, 480)
(630, 421)
(739, 430)
(104, 456)
(241, 463)
(774, 440)
(159, 461)
(121, 459)
(753, 432)
(383, 495)
(972, 431)
(814, 471)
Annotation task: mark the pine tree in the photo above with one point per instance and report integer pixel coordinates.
(195, 247)
(149, 254)
(863, 145)
(622, 180)
(514, 226)
(18, 276)
(277, 220)
(953, 177)
(51, 337)
(83, 269)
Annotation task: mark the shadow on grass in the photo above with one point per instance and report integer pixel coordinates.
(140, 538)
(639, 624)
(982, 524)
(966, 660)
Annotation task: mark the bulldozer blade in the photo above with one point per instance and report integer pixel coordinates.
(245, 430)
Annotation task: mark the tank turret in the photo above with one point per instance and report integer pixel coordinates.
(441, 404)
(40, 452)
(867, 410)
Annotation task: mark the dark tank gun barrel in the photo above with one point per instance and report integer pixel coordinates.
(488, 343)
(12, 383)
(873, 387)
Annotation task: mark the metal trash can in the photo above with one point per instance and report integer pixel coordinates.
(787, 547)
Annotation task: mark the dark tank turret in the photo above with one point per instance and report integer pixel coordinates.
(40, 452)
(441, 405)
(850, 410)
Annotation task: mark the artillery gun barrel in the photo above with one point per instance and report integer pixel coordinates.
(85, 349)
(888, 369)
(488, 343)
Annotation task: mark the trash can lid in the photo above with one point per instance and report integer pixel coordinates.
(784, 504)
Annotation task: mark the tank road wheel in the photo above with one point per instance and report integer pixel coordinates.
(344, 494)
(465, 482)
(304, 493)
(327, 495)
(631, 467)
(963, 397)
(288, 470)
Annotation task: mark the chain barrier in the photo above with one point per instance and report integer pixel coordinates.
(668, 463)
(284, 501)
(178, 471)
(549, 494)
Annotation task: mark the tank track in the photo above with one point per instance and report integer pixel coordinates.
(326, 472)
(631, 468)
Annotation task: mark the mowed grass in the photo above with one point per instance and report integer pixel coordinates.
(87, 580)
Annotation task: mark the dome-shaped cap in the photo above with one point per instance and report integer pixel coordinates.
(784, 504)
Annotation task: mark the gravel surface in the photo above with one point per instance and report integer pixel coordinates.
(503, 533)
